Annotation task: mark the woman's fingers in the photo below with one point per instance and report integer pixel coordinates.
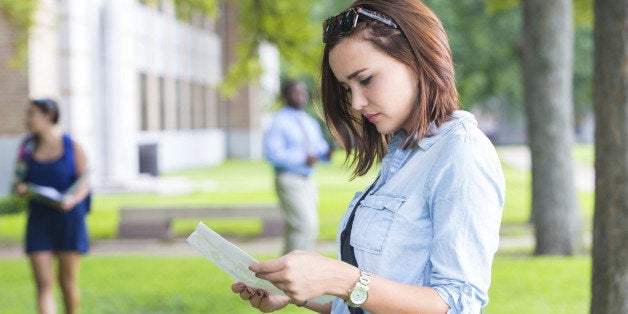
(267, 266)
(247, 294)
(238, 287)
(257, 298)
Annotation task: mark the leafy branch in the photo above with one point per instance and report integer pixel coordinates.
(20, 14)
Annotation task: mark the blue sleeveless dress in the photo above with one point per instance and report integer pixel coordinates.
(49, 229)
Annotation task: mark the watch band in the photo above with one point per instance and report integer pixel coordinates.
(359, 293)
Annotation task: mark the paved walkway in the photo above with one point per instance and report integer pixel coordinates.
(179, 247)
(519, 158)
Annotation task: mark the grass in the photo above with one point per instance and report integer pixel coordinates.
(540, 285)
(114, 285)
(184, 284)
(192, 285)
(584, 153)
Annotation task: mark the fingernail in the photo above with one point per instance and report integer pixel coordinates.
(250, 290)
(259, 292)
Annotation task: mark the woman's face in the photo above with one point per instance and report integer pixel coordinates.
(381, 88)
(36, 120)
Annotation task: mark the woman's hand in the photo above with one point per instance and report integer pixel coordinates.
(21, 189)
(305, 275)
(260, 299)
(68, 202)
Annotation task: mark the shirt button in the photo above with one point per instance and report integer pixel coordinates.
(467, 290)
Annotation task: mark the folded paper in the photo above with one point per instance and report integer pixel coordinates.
(232, 260)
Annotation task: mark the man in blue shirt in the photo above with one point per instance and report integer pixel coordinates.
(293, 144)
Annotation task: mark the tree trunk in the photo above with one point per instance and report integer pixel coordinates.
(609, 284)
(547, 72)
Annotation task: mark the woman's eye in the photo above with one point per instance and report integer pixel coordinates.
(366, 81)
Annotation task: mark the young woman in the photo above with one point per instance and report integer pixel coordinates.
(422, 237)
(50, 159)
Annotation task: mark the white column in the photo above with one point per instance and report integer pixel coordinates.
(76, 90)
(120, 91)
(43, 52)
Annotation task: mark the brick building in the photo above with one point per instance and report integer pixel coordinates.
(136, 87)
(13, 83)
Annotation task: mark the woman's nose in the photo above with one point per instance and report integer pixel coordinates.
(358, 101)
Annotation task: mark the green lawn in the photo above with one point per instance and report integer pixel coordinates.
(178, 284)
(129, 284)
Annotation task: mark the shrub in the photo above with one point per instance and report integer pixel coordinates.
(12, 204)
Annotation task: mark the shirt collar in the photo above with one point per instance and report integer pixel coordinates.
(458, 117)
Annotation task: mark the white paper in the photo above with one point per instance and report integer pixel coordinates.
(232, 260)
(46, 194)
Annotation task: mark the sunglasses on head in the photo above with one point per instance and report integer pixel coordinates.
(48, 104)
(348, 19)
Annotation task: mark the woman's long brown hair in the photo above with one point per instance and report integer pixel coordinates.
(421, 43)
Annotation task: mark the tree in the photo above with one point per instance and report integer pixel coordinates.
(547, 58)
(609, 282)
(20, 14)
(483, 43)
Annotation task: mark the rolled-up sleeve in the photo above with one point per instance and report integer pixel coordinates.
(466, 195)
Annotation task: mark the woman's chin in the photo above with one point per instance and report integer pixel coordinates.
(385, 129)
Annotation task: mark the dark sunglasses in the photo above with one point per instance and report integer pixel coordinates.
(348, 19)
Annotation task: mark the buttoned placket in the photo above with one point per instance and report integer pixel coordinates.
(395, 159)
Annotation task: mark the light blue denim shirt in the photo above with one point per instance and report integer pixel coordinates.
(433, 216)
(293, 135)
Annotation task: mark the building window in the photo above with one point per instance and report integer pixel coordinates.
(162, 104)
(193, 106)
(204, 105)
(143, 102)
(185, 105)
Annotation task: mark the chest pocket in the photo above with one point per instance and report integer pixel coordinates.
(372, 222)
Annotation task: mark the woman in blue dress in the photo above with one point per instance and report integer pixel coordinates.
(49, 159)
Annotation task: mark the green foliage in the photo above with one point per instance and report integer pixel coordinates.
(485, 37)
(583, 12)
(20, 13)
(12, 205)
(288, 25)
(494, 6)
(583, 71)
(583, 9)
(485, 48)
(186, 7)
(294, 27)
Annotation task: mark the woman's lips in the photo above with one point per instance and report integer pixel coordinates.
(372, 117)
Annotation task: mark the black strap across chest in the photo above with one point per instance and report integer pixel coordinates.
(346, 250)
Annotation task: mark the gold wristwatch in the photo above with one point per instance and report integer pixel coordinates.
(359, 293)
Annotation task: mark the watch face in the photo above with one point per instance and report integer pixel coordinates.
(358, 296)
